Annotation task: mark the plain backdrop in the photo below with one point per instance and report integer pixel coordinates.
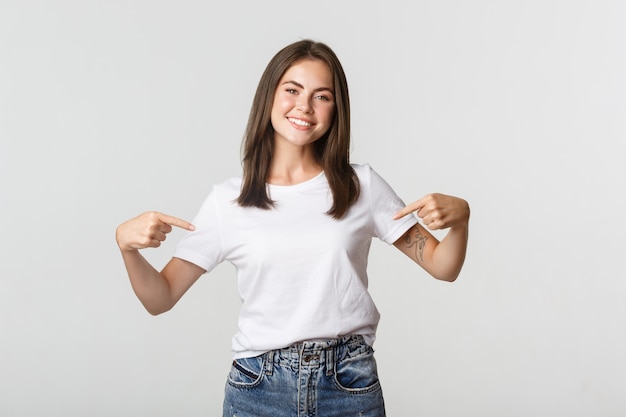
(111, 108)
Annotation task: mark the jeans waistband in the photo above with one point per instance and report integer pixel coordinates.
(314, 353)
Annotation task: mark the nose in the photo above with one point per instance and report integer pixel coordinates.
(304, 105)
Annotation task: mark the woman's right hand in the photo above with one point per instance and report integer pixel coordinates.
(147, 230)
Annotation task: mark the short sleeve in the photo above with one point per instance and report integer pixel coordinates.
(384, 203)
(203, 246)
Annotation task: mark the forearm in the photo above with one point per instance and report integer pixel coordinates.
(152, 289)
(448, 255)
(443, 260)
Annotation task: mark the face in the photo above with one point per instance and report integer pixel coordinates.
(304, 103)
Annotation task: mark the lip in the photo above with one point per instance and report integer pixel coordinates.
(300, 123)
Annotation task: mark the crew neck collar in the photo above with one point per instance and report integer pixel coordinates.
(304, 184)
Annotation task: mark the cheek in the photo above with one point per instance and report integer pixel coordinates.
(328, 114)
(277, 110)
(282, 102)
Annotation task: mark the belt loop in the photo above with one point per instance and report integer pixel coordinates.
(330, 360)
(269, 362)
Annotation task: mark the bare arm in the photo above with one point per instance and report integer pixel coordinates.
(158, 291)
(443, 260)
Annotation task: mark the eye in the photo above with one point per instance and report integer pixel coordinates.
(291, 90)
(322, 97)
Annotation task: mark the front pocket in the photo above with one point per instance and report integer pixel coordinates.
(246, 372)
(358, 374)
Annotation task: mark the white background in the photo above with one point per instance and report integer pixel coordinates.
(111, 108)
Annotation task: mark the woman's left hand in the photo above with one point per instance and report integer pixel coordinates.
(438, 211)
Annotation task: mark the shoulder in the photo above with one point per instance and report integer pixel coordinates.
(232, 183)
(372, 182)
(363, 171)
(225, 191)
(367, 175)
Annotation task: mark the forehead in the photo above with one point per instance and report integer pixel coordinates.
(309, 72)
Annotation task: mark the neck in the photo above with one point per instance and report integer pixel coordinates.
(293, 166)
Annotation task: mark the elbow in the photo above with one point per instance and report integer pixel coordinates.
(157, 304)
(153, 312)
(157, 310)
(447, 271)
(447, 276)
(450, 278)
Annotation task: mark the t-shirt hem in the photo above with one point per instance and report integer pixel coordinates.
(403, 225)
(240, 354)
(192, 257)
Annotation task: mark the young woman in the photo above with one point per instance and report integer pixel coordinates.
(298, 226)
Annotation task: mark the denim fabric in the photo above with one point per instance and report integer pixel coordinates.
(333, 378)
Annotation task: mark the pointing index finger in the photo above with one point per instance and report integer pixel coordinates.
(175, 221)
(415, 206)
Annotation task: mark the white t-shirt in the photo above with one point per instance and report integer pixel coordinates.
(301, 274)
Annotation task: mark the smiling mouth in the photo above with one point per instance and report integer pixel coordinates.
(299, 122)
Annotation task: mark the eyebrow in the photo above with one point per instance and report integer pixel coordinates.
(297, 84)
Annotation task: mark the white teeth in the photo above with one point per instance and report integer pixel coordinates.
(299, 122)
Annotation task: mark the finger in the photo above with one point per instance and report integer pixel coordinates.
(415, 206)
(159, 236)
(431, 226)
(436, 225)
(175, 221)
(148, 242)
(400, 214)
(154, 243)
(164, 227)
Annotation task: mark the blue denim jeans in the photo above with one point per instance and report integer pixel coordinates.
(333, 378)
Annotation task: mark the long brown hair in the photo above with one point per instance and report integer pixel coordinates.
(332, 150)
